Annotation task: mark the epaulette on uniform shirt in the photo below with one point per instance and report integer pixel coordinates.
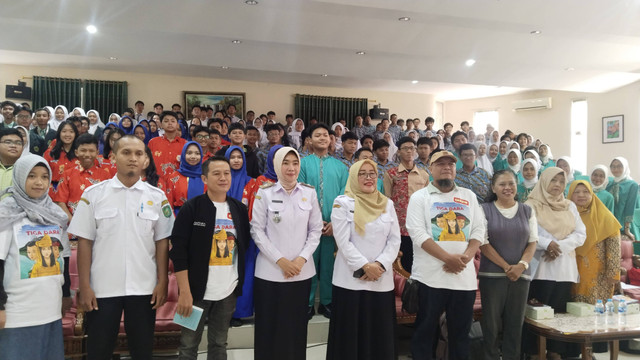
(307, 185)
(267, 185)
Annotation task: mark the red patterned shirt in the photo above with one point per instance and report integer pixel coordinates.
(165, 153)
(74, 181)
(399, 185)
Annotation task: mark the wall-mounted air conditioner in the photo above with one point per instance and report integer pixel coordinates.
(531, 104)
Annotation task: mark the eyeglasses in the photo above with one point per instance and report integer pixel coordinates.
(407, 148)
(202, 137)
(23, 116)
(365, 175)
(12, 143)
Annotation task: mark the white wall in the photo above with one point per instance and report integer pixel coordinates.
(553, 126)
(260, 97)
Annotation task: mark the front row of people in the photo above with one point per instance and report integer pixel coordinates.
(124, 226)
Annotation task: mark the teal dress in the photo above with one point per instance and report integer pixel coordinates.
(625, 196)
(329, 176)
(523, 192)
(499, 164)
(550, 163)
(606, 198)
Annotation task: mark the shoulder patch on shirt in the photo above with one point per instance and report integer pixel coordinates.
(84, 200)
(257, 197)
(166, 211)
(307, 185)
(267, 185)
(336, 206)
(164, 202)
(460, 201)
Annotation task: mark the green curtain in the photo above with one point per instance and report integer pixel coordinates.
(329, 109)
(105, 97)
(51, 91)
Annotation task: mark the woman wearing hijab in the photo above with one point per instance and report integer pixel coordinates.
(494, 138)
(531, 153)
(153, 129)
(126, 124)
(26, 140)
(239, 177)
(599, 258)
(625, 194)
(252, 187)
(32, 327)
(500, 163)
(530, 168)
(59, 114)
(141, 133)
(296, 133)
(77, 111)
(286, 227)
(514, 163)
(546, 157)
(599, 180)
(493, 153)
(483, 160)
(367, 233)
(393, 148)
(186, 182)
(114, 117)
(566, 164)
(95, 123)
(560, 232)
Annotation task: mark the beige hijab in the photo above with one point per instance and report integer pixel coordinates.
(368, 206)
(278, 159)
(552, 212)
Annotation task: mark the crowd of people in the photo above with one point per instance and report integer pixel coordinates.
(261, 218)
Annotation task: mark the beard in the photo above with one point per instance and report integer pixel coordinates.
(444, 183)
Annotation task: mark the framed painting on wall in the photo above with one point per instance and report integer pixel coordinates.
(217, 101)
(613, 129)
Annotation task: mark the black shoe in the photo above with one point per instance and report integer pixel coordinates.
(325, 310)
(311, 312)
(236, 322)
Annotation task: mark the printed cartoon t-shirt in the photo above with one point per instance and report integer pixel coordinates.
(34, 268)
(223, 261)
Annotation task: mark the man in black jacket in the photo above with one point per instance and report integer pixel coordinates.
(210, 237)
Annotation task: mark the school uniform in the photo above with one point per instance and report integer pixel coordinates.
(123, 223)
(283, 225)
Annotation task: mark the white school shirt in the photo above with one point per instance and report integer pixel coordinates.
(380, 242)
(425, 207)
(564, 267)
(296, 234)
(124, 224)
(31, 301)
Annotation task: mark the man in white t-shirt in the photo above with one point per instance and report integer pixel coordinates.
(209, 241)
(122, 225)
(447, 226)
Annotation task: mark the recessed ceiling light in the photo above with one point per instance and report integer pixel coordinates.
(92, 29)
(536, 32)
(360, 53)
(414, 81)
(404, 18)
(236, 41)
(224, 67)
(470, 62)
(113, 58)
(251, 2)
(324, 75)
(569, 69)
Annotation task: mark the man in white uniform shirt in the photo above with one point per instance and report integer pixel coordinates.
(447, 226)
(122, 225)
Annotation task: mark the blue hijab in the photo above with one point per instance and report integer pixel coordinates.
(239, 178)
(129, 130)
(102, 136)
(193, 172)
(147, 137)
(271, 172)
(153, 134)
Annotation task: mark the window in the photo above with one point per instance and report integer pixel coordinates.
(483, 118)
(579, 135)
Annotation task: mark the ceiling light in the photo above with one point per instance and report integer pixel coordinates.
(536, 32)
(113, 58)
(360, 53)
(92, 29)
(569, 69)
(404, 18)
(236, 41)
(224, 67)
(251, 2)
(470, 62)
(324, 75)
(414, 81)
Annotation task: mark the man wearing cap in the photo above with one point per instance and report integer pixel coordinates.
(443, 249)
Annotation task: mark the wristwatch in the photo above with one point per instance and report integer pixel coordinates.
(526, 264)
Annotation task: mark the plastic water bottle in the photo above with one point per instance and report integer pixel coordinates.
(622, 313)
(609, 313)
(599, 310)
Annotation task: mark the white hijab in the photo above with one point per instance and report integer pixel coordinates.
(338, 138)
(98, 124)
(603, 186)
(110, 115)
(81, 110)
(536, 156)
(492, 159)
(570, 177)
(626, 172)
(27, 144)
(507, 152)
(545, 159)
(55, 123)
(529, 184)
(295, 136)
(483, 161)
(515, 168)
(393, 149)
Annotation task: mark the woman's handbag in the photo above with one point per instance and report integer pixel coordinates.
(410, 296)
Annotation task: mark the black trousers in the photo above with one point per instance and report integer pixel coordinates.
(281, 319)
(406, 246)
(103, 326)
